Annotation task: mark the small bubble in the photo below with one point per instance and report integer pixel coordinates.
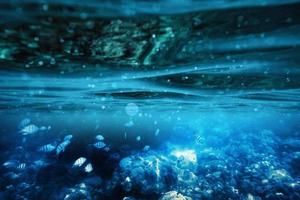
(131, 109)
(45, 7)
(138, 138)
(156, 132)
(83, 15)
(41, 63)
(91, 85)
(52, 61)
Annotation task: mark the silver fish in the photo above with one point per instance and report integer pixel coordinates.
(68, 137)
(88, 168)
(99, 145)
(29, 129)
(79, 162)
(62, 147)
(99, 137)
(47, 148)
(21, 166)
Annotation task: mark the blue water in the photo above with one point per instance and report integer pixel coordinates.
(160, 99)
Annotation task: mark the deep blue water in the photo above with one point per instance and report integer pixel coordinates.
(160, 99)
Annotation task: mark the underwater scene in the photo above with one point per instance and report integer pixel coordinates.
(150, 99)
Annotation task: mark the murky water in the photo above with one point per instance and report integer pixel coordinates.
(150, 99)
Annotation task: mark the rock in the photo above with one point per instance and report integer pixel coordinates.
(128, 198)
(78, 192)
(147, 173)
(173, 195)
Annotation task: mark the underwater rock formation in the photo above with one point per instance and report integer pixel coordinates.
(149, 173)
(173, 195)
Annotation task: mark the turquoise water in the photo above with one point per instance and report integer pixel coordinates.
(178, 99)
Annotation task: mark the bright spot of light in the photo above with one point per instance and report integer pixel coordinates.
(186, 154)
(131, 109)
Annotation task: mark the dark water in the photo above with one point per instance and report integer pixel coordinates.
(189, 99)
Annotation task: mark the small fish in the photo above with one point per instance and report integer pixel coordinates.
(24, 122)
(21, 166)
(99, 137)
(44, 128)
(62, 147)
(68, 137)
(138, 138)
(79, 162)
(99, 145)
(88, 168)
(146, 148)
(199, 139)
(29, 129)
(47, 148)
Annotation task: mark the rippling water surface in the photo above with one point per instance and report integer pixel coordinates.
(194, 99)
